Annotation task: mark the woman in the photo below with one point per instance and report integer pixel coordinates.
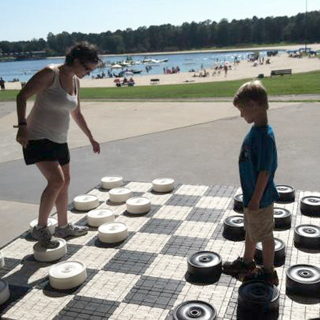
(43, 134)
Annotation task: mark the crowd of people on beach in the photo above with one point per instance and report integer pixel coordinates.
(172, 70)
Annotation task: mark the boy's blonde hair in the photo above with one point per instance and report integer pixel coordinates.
(252, 91)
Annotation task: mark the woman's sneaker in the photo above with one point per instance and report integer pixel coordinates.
(70, 230)
(271, 277)
(44, 237)
(238, 268)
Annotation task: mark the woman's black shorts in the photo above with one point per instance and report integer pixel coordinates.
(46, 150)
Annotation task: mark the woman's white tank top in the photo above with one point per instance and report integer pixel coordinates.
(49, 118)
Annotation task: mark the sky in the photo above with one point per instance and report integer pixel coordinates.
(26, 20)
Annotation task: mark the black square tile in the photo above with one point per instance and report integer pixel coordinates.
(182, 200)
(204, 215)
(161, 226)
(184, 246)
(217, 234)
(9, 264)
(71, 250)
(132, 262)
(27, 268)
(219, 191)
(16, 294)
(87, 308)
(155, 292)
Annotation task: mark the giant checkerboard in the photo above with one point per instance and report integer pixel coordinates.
(144, 277)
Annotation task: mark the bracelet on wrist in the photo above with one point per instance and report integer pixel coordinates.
(20, 124)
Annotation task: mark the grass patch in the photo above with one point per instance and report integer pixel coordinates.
(300, 83)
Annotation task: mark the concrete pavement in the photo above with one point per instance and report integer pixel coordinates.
(195, 143)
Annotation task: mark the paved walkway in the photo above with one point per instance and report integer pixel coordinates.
(144, 277)
(195, 143)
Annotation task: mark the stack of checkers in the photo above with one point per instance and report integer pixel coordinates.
(143, 277)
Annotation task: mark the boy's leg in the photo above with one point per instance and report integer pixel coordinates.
(246, 265)
(268, 253)
(249, 249)
(242, 266)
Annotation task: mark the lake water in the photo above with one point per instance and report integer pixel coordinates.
(23, 70)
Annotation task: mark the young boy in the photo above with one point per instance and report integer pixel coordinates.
(257, 166)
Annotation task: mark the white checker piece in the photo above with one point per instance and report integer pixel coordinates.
(94, 257)
(134, 223)
(168, 267)
(37, 306)
(109, 285)
(218, 203)
(190, 190)
(147, 242)
(139, 186)
(195, 229)
(158, 199)
(138, 312)
(173, 212)
(18, 249)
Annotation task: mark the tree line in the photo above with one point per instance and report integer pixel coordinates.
(302, 28)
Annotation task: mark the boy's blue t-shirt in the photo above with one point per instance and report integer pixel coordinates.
(258, 152)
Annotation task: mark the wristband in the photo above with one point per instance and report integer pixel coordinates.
(22, 123)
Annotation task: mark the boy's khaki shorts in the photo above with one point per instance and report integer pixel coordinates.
(259, 224)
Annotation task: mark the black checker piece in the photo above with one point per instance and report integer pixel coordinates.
(155, 292)
(161, 226)
(184, 246)
(132, 262)
(182, 200)
(87, 308)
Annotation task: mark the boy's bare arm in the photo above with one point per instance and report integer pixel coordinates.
(262, 181)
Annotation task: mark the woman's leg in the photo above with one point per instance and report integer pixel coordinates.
(53, 172)
(62, 199)
(64, 229)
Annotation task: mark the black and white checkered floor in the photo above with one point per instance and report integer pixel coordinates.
(144, 276)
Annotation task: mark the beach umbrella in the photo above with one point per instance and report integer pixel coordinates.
(128, 73)
(116, 66)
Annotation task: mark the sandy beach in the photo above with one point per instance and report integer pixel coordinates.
(243, 70)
